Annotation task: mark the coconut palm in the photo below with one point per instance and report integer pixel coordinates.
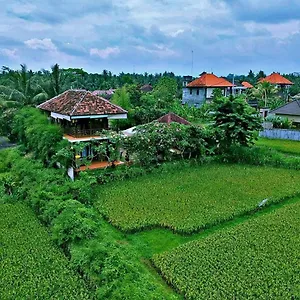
(19, 88)
(266, 92)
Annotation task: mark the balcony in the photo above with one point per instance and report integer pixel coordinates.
(79, 133)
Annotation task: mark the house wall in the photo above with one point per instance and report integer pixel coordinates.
(193, 99)
(209, 92)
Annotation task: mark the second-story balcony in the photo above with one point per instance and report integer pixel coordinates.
(78, 133)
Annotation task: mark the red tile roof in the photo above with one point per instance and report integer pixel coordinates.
(276, 78)
(80, 103)
(171, 117)
(210, 80)
(247, 85)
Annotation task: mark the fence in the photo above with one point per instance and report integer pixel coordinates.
(284, 134)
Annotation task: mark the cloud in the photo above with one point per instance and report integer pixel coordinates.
(158, 51)
(10, 53)
(41, 44)
(105, 53)
(226, 35)
(268, 12)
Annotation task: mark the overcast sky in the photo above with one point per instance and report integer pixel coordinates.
(226, 36)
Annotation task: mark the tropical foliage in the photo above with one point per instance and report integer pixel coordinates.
(235, 122)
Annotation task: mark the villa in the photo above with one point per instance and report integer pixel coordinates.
(197, 92)
(83, 117)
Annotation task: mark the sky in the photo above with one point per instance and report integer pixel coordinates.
(222, 36)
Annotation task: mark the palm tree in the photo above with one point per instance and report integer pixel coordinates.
(19, 88)
(266, 92)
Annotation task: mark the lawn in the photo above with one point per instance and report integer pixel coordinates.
(257, 259)
(192, 198)
(285, 146)
(31, 266)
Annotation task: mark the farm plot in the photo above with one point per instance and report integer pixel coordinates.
(192, 198)
(284, 146)
(31, 267)
(258, 259)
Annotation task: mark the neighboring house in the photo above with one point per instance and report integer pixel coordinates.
(200, 90)
(239, 89)
(146, 88)
(82, 116)
(278, 80)
(171, 117)
(107, 94)
(290, 110)
(282, 83)
(168, 119)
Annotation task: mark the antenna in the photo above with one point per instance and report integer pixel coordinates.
(192, 63)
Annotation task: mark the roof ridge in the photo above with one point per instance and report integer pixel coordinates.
(78, 102)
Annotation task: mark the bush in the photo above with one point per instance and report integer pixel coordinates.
(158, 142)
(33, 130)
(235, 122)
(280, 122)
(260, 156)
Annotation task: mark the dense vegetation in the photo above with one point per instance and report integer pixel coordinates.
(258, 259)
(179, 195)
(31, 266)
(187, 199)
(110, 266)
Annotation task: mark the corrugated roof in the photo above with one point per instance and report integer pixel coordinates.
(80, 103)
(276, 78)
(247, 85)
(292, 108)
(210, 80)
(171, 117)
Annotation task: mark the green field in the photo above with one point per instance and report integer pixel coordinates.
(258, 259)
(31, 267)
(188, 199)
(284, 146)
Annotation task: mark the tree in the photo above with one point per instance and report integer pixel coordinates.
(234, 122)
(251, 77)
(165, 92)
(266, 92)
(261, 74)
(20, 88)
(121, 98)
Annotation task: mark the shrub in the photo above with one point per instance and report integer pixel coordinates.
(235, 122)
(34, 131)
(280, 122)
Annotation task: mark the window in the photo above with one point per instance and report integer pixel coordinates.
(198, 92)
(191, 91)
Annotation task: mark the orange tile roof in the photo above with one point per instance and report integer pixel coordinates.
(247, 85)
(276, 78)
(210, 80)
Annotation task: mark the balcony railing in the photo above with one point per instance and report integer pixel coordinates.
(76, 132)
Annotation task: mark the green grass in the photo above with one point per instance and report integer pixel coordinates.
(192, 198)
(31, 266)
(284, 146)
(258, 259)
